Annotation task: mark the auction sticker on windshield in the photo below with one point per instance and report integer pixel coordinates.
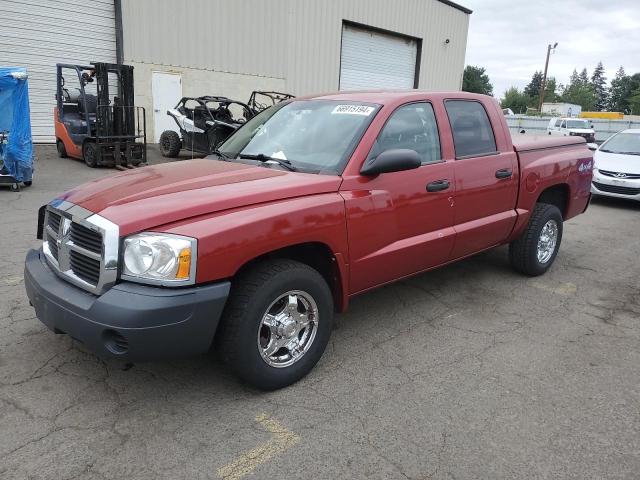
(353, 110)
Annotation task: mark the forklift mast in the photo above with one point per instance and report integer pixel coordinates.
(117, 119)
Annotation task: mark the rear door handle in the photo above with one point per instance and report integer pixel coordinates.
(438, 186)
(504, 173)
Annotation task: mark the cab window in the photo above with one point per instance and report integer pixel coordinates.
(471, 128)
(411, 127)
(563, 125)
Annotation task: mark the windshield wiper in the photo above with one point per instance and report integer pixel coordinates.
(261, 157)
(629, 153)
(223, 156)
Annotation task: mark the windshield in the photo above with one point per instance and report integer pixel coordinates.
(314, 135)
(628, 143)
(578, 124)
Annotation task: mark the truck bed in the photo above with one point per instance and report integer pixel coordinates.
(524, 143)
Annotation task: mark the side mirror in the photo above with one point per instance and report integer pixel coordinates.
(395, 160)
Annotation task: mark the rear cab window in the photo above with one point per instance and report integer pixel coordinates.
(472, 131)
(413, 127)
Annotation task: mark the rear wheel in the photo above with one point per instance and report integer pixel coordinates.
(90, 154)
(276, 324)
(62, 151)
(536, 249)
(170, 144)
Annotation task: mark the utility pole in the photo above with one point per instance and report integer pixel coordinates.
(544, 78)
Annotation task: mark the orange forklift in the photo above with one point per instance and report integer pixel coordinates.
(94, 124)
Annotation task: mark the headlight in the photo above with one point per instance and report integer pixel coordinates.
(159, 258)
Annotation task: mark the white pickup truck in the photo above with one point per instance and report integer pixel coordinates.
(579, 127)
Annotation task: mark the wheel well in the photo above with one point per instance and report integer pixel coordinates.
(315, 254)
(557, 195)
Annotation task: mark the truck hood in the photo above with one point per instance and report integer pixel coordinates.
(617, 162)
(152, 196)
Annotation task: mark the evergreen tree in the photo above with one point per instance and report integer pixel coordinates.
(599, 86)
(584, 77)
(579, 91)
(619, 92)
(535, 85)
(476, 80)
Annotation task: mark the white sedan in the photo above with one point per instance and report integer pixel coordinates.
(616, 171)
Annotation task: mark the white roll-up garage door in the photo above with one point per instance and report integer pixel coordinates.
(370, 59)
(37, 34)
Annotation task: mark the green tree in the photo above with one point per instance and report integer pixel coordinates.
(579, 91)
(599, 86)
(619, 92)
(476, 80)
(634, 102)
(535, 85)
(584, 76)
(550, 90)
(515, 100)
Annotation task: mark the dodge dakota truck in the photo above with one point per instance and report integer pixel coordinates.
(253, 249)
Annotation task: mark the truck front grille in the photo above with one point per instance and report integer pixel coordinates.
(603, 187)
(86, 238)
(81, 247)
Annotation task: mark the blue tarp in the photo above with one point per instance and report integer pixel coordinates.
(15, 119)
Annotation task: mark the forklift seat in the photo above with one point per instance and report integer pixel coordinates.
(91, 102)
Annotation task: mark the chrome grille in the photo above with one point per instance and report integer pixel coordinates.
(80, 246)
(88, 269)
(86, 238)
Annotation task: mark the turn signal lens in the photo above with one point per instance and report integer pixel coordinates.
(184, 264)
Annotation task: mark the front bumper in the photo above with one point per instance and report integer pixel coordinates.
(130, 321)
(615, 187)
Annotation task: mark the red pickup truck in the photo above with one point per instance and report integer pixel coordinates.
(311, 202)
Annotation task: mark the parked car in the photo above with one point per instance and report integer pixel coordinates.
(617, 166)
(577, 127)
(311, 202)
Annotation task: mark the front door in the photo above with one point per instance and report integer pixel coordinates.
(167, 91)
(486, 180)
(401, 223)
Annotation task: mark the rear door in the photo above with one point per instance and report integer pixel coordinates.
(486, 178)
(400, 223)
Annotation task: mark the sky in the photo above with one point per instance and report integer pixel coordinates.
(509, 38)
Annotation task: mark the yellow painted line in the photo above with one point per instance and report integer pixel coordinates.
(281, 440)
(564, 289)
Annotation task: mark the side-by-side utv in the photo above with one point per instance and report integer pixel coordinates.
(205, 122)
(95, 117)
(261, 100)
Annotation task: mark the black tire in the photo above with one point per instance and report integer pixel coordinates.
(62, 151)
(170, 144)
(523, 252)
(90, 154)
(252, 293)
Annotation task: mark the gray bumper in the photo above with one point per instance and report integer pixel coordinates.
(130, 321)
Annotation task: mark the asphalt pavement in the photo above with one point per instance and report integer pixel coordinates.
(470, 371)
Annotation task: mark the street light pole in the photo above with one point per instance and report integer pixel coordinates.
(544, 78)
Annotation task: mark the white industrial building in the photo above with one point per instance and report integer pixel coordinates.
(231, 47)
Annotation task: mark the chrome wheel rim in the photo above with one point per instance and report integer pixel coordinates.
(547, 241)
(288, 328)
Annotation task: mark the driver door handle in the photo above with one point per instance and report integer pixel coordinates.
(504, 173)
(438, 186)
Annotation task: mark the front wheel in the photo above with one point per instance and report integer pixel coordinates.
(536, 249)
(277, 323)
(62, 151)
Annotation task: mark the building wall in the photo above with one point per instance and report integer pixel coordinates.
(233, 47)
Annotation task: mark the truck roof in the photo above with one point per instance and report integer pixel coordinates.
(383, 97)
